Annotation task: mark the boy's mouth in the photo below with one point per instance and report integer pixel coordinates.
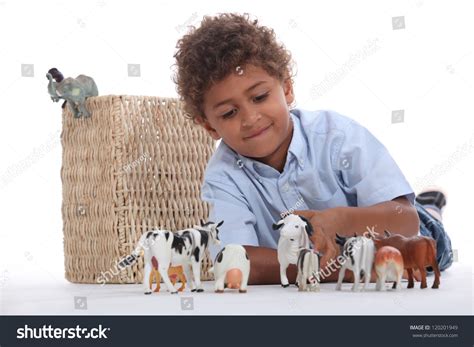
(257, 133)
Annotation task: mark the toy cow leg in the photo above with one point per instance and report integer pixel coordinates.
(155, 275)
(146, 275)
(183, 282)
(283, 278)
(367, 276)
(398, 283)
(196, 267)
(423, 284)
(301, 281)
(219, 284)
(381, 278)
(189, 276)
(342, 272)
(163, 269)
(356, 285)
(245, 272)
(411, 282)
(245, 280)
(437, 275)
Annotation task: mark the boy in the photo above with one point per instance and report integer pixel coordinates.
(236, 82)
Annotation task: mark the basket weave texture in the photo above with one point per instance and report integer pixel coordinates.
(135, 165)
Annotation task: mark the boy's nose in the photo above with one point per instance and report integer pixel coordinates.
(250, 118)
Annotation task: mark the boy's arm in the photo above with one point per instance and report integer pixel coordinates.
(265, 268)
(397, 215)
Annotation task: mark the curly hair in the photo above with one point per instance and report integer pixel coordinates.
(208, 54)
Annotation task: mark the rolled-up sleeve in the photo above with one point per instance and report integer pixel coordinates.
(227, 204)
(368, 170)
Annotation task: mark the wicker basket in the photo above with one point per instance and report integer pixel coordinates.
(136, 164)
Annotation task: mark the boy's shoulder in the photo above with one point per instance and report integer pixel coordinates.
(322, 121)
(223, 164)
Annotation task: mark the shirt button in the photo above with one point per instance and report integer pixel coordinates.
(301, 161)
(240, 163)
(285, 187)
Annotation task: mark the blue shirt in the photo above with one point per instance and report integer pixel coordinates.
(332, 161)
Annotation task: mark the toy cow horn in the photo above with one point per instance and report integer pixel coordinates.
(220, 223)
(355, 235)
(276, 226)
(309, 228)
(340, 240)
(387, 233)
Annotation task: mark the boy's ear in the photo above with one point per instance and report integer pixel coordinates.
(205, 124)
(288, 90)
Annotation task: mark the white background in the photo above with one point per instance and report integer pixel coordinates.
(425, 69)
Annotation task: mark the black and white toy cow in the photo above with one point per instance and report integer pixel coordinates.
(308, 271)
(231, 268)
(294, 236)
(358, 253)
(185, 247)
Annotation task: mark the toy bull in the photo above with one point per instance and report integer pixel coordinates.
(418, 252)
(186, 247)
(358, 254)
(174, 273)
(294, 235)
(231, 269)
(388, 267)
(308, 271)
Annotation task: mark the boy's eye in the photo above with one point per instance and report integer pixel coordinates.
(261, 97)
(229, 114)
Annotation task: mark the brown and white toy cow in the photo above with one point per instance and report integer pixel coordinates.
(388, 267)
(418, 252)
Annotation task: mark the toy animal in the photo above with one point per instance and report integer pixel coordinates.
(418, 252)
(389, 267)
(185, 247)
(308, 270)
(294, 235)
(73, 90)
(322, 243)
(174, 273)
(231, 269)
(358, 253)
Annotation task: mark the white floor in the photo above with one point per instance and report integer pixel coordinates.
(30, 294)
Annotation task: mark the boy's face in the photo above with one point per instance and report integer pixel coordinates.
(249, 110)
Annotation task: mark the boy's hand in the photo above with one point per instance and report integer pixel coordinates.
(325, 224)
(330, 221)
